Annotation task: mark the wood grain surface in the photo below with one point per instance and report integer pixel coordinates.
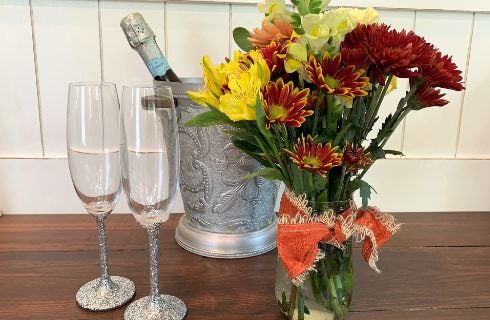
(438, 267)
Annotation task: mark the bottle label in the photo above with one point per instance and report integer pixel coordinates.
(158, 66)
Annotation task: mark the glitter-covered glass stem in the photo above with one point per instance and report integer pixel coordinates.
(153, 235)
(104, 269)
(93, 143)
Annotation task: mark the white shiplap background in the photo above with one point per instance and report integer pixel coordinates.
(48, 43)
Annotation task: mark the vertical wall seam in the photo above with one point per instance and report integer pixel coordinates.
(463, 94)
(404, 122)
(165, 29)
(101, 48)
(38, 87)
(230, 30)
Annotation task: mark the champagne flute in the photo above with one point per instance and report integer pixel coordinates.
(150, 177)
(93, 141)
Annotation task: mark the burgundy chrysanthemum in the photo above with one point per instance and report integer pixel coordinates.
(284, 103)
(439, 72)
(335, 78)
(274, 54)
(427, 96)
(442, 72)
(356, 158)
(385, 51)
(314, 157)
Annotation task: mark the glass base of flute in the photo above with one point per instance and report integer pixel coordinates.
(106, 292)
(156, 306)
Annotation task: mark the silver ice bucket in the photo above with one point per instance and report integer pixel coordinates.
(226, 216)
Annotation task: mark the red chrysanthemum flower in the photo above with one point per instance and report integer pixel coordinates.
(356, 158)
(385, 51)
(314, 157)
(427, 96)
(333, 78)
(274, 54)
(439, 72)
(278, 31)
(283, 103)
(442, 72)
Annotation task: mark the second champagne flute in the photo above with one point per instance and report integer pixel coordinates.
(150, 162)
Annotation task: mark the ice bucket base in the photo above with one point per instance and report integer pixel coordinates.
(225, 245)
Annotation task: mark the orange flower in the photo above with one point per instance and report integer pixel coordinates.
(315, 157)
(283, 103)
(278, 31)
(356, 158)
(333, 78)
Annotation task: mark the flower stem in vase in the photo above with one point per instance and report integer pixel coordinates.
(292, 301)
(334, 300)
(301, 308)
(316, 285)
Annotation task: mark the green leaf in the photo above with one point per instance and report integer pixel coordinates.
(260, 115)
(343, 133)
(323, 197)
(251, 150)
(245, 145)
(208, 118)
(299, 31)
(242, 134)
(365, 192)
(284, 305)
(307, 311)
(301, 5)
(268, 173)
(298, 186)
(319, 182)
(315, 6)
(296, 20)
(240, 35)
(377, 153)
(394, 152)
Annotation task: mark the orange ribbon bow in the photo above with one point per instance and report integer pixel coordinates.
(299, 233)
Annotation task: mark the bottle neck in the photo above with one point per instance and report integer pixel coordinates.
(156, 62)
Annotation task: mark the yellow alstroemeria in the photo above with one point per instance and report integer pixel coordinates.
(296, 56)
(275, 8)
(240, 102)
(213, 81)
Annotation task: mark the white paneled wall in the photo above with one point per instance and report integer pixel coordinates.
(53, 42)
(433, 132)
(19, 117)
(473, 139)
(194, 30)
(121, 64)
(66, 34)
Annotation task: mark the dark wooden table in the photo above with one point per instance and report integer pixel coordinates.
(437, 268)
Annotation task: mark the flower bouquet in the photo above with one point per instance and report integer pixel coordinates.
(303, 99)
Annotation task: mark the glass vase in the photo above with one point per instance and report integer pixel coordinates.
(327, 292)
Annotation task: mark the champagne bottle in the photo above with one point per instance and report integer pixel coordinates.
(142, 39)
